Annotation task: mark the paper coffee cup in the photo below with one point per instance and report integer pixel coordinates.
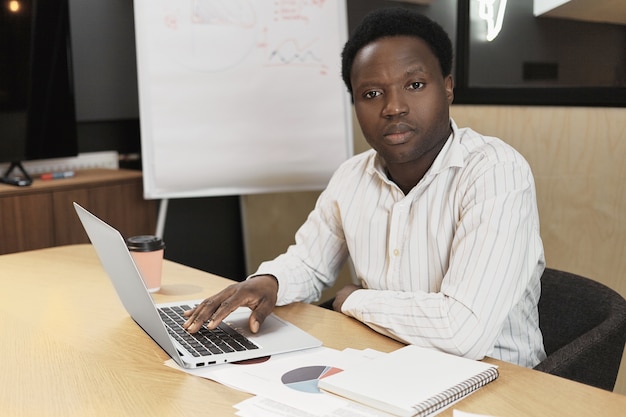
(147, 252)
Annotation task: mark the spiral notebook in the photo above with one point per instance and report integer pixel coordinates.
(411, 381)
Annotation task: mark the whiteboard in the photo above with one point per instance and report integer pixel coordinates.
(241, 96)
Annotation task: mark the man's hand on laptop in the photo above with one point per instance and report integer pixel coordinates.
(258, 293)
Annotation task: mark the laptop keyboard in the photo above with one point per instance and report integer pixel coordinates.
(205, 342)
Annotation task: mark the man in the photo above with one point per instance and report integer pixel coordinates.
(441, 223)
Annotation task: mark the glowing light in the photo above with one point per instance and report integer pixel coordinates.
(487, 12)
(14, 6)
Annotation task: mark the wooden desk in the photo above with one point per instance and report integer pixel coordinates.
(64, 356)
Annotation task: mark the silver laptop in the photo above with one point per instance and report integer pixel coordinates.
(232, 342)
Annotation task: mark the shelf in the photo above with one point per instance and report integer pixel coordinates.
(42, 215)
(600, 11)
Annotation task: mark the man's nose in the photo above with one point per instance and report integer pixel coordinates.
(395, 104)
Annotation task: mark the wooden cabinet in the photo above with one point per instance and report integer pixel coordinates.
(42, 215)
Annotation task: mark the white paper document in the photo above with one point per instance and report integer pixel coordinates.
(287, 383)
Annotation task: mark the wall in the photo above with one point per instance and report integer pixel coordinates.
(577, 156)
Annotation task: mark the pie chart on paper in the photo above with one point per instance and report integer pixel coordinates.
(305, 379)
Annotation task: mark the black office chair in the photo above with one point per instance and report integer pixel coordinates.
(584, 328)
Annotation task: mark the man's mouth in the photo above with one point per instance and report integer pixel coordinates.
(397, 134)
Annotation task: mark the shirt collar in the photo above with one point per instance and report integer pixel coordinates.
(451, 155)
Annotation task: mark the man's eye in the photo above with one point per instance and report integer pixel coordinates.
(371, 94)
(417, 85)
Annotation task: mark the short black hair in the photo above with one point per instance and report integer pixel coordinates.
(396, 21)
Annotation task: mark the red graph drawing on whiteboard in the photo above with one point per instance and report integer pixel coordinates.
(290, 10)
(211, 35)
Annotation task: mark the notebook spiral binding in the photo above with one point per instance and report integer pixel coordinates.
(455, 393)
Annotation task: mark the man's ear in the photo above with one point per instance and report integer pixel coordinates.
(449, 86)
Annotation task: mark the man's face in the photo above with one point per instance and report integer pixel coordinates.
(402, 100)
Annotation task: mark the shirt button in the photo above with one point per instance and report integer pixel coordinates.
(396, 252)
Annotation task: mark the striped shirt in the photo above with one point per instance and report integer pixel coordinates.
(453, 265)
